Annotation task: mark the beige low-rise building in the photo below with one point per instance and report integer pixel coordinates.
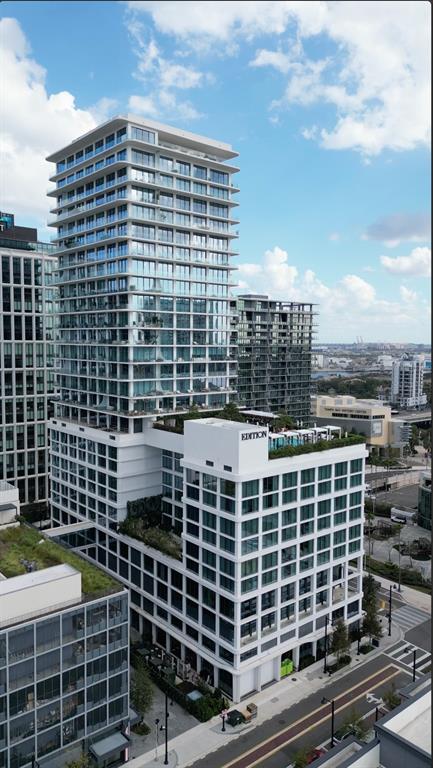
(367, 417)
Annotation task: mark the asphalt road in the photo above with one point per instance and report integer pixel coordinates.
(420, 635)
(407, 496)
(307, 723)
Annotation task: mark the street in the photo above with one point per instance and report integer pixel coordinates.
(308, 723)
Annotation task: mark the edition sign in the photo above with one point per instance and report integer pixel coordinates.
(253, 435)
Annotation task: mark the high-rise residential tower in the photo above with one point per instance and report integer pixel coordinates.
(274, 354)
(407, 382)
(270, 549)
(26, 358)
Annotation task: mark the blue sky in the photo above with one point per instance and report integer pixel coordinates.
(326, 103)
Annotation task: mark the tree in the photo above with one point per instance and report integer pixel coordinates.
(391, 697)
(354, 723)
(340, 642)
(371, 625)
(370, 590)
(141, 690)
(300, 759)
(284, 421)
(231, 412)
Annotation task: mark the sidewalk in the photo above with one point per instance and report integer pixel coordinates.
(196, 743)
(410, 596)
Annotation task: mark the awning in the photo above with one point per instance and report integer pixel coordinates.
(109, 745)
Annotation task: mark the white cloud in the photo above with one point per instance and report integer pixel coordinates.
(161, 77)
(407, 295)
(33, 123)
(344, 307)
(334, 237)
(398, 227)
(377, 77)
(417, 264)
(201, 23)
(143, 105)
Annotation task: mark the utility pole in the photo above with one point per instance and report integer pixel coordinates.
(399, 556)
(414, 665)
(166, 729)
(332, 703)
(390, 607)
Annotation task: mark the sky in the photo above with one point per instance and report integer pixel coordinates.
(327, 103)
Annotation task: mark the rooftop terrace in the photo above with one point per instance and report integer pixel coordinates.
(23, 545)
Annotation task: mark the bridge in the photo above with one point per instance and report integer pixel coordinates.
(415, 417)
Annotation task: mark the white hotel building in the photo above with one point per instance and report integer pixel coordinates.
(268, 547)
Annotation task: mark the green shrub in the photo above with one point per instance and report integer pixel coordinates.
(366, 648)
(321, 445)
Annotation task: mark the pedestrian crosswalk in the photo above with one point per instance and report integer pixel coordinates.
(407, 617)
(404, 653)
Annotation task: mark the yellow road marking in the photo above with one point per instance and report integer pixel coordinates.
(317, 722)
(270, 738)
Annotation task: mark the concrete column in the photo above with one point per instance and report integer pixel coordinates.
(258, 678)
(236, 689)
(296, 657)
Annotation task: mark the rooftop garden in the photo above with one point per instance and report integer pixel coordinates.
(321, 445)
(145, 522)
(22, 545)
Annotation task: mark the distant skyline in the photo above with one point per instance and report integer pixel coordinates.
(328, 105)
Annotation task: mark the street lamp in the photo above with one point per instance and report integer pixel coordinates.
(390, 607)
(156, 734)
(223, 715)
(399, 555)
(165, 729)
(332, 703)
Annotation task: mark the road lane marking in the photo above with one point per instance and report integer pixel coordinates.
(397, 670)
(313, 725)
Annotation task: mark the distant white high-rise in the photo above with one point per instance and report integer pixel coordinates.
(407, 382)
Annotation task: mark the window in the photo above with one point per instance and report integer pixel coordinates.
(341, 469)
(269, 522)
(250, 488)
(325, 472)
(270, 484)
(307, 476)
(290, 479)
(249, 567)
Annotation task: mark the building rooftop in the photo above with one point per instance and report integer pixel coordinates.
(411, 722)
(24, 550)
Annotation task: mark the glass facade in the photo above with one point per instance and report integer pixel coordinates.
(27, 304)
(63, 678)
(274, 355)
(144, 277)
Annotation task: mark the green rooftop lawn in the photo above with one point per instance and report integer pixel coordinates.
(23, 543)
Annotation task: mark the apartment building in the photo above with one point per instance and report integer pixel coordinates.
(27, 302)
(64, 657)
(273, 340)
(407, 382)
(144, 216)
